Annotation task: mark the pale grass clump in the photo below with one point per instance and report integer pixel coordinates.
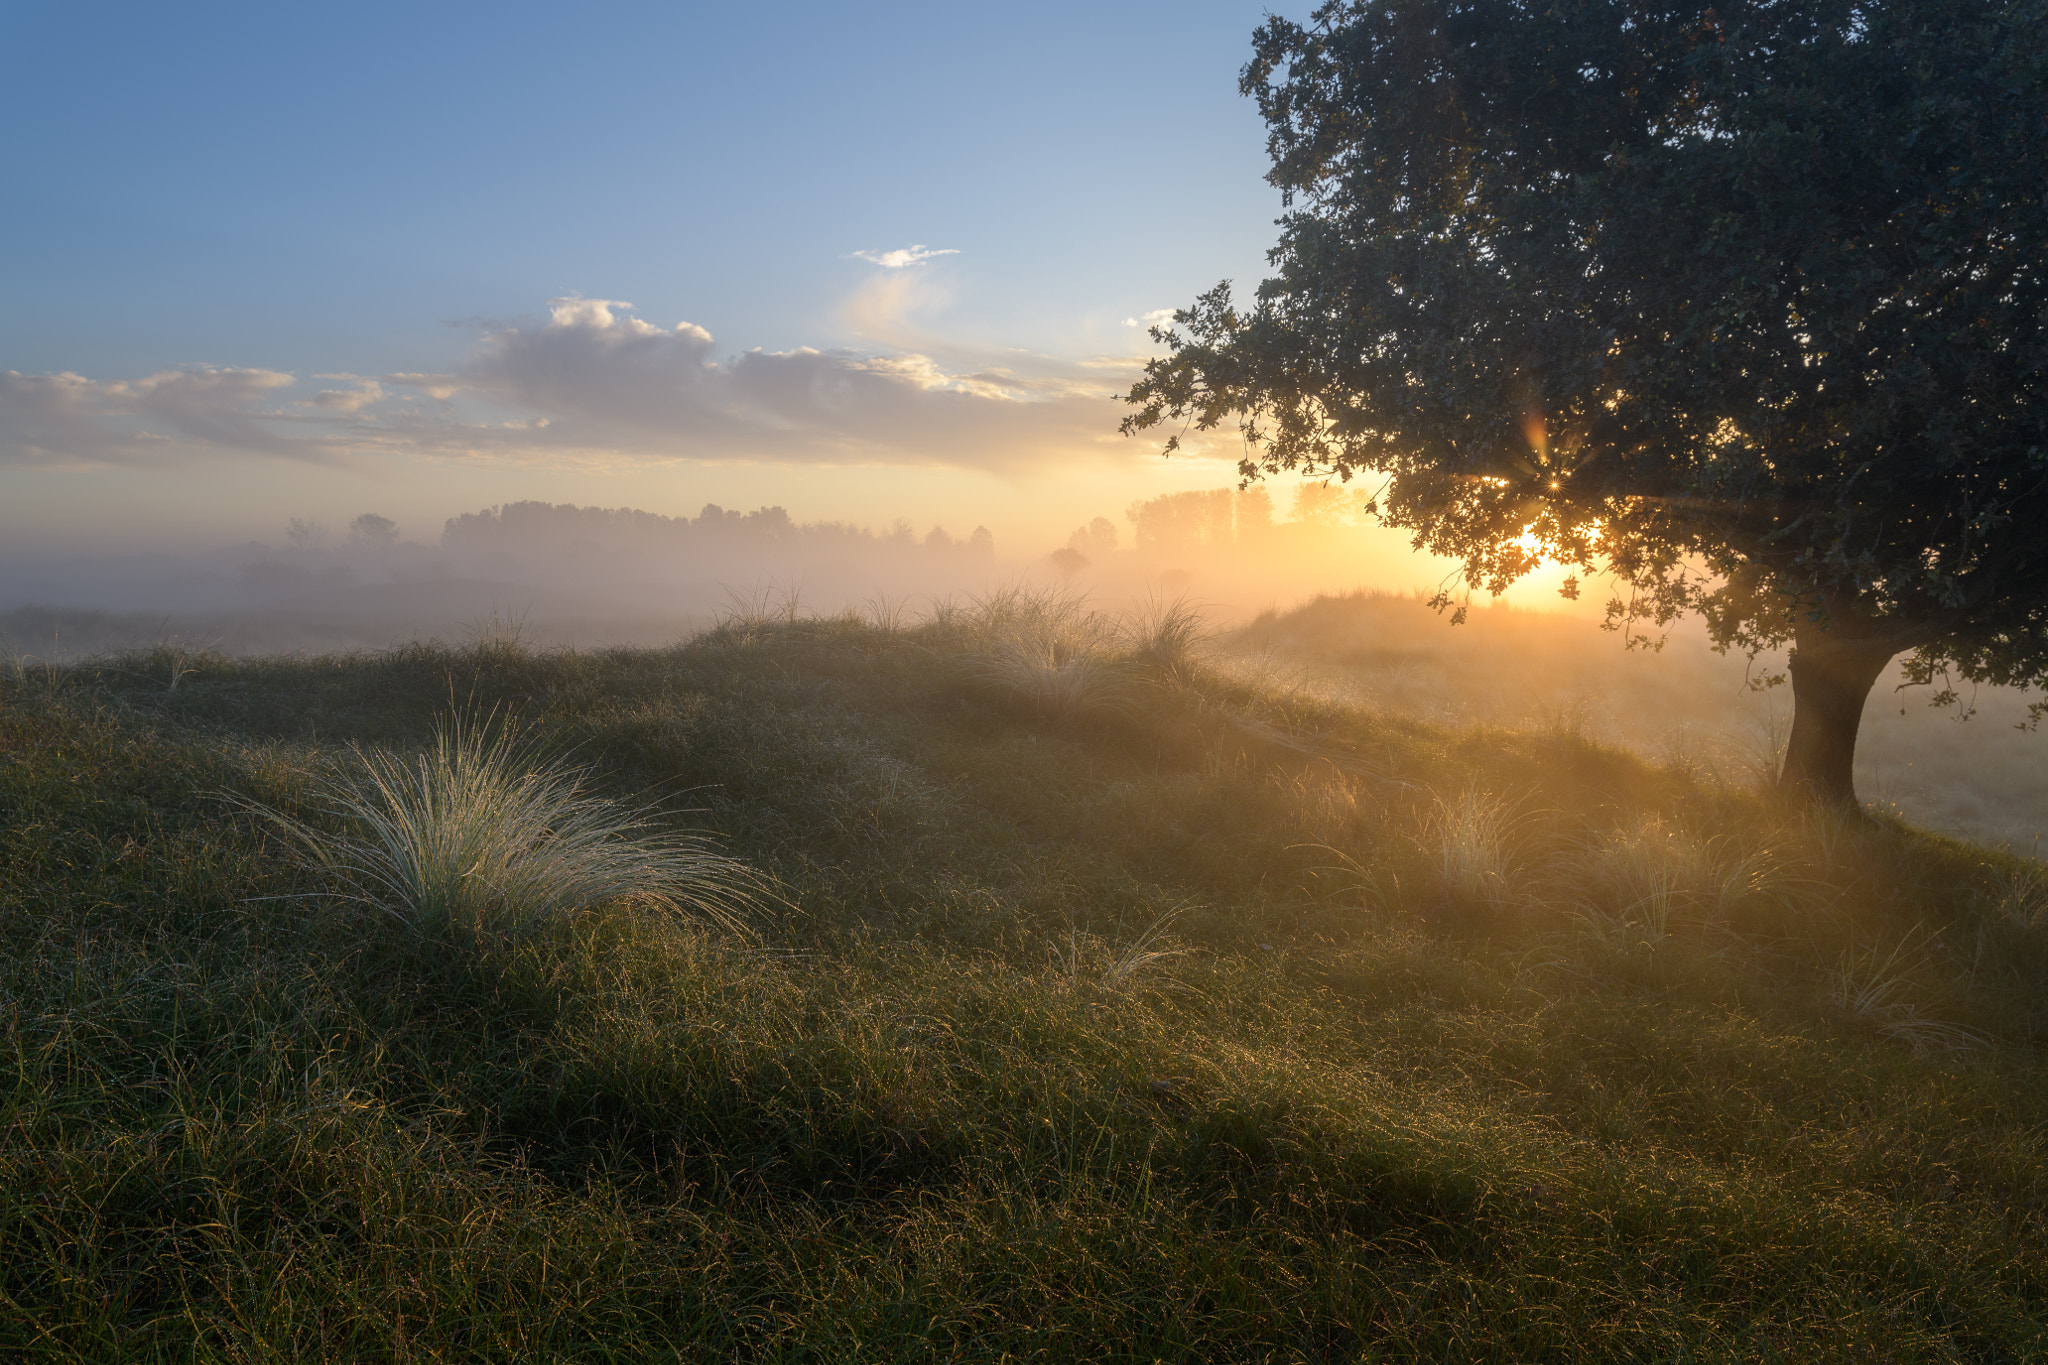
(483, 835)
(1167, 636)
(2019, 895)
(760, 610)
(1048, 648)
(1653, 877)
(1844, 840)
(1055, 678)
(1092, 958)
(1876, 988)
(1329, 804)
(21, 670)
(890, 615)
(1473, 843)
(170, 660)
(497, 635)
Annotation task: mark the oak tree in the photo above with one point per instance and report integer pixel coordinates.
(1745, 303)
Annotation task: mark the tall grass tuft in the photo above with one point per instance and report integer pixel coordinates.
(2019, 895)
(498, 636)
(1876, 988)
(481, 834)
(24, 670)
(1166, 635)
(1473, 846)
(760, 610)
(885, 613)
(1090, 957)
(1652, 877)
(1048, 649)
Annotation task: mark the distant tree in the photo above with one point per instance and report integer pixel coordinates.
(1172, 522)
(1322, 503)
(302, 534)
(1205, 519)
(1745, 302)
(370, 531)
(1097, 538)
(1068, 560)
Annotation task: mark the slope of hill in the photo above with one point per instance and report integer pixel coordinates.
(1105, 1007)
(1967, 770)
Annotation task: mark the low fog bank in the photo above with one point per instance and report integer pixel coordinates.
(1977, 776)
(588, 577)
(565, 575)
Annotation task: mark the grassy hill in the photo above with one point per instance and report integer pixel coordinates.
(1099, 1005)
(1961, 770)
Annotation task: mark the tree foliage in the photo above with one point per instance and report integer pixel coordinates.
(1744, 302)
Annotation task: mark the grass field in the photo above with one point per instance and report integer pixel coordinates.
(1091, 1003)
(1968, 770)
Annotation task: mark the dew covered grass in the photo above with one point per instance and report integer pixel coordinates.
(1209, 1022)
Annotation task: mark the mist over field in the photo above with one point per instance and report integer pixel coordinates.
(1303, 598)
(916, 682)
(585, 576)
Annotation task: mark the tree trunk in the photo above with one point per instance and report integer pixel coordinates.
(1831, 679)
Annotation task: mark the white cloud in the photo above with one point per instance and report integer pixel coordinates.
(611, 386)
(593, 382)
(67, 417)
(1158, 317)
(440, 387)
(53, 417)
(345, 402)
(881, 309)
(597, 313)
(902, 256)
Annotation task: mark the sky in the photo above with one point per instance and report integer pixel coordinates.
(861, 261)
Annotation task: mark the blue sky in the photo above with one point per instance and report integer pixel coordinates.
(212, 206)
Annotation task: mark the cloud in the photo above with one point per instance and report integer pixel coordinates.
(67, 417)
(54, 417)
(597, 313)
(441, 387)
(902, 256)
(1158, 317)
(345, 402)
(592, 381)
(880, 310)
(612, 383)
(216, 408)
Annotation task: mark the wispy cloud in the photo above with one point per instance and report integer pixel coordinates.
(902, 256)
(881, 310)
(1158, 317)
(609, 382)
(345, 402)
(441, 387)
(69, 418)
(591, 381)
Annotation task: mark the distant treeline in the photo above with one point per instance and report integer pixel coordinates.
(1212, 521)
(1219, 517)
(521, 528)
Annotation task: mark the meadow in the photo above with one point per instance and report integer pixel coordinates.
(1052, 987)
(1977, 769)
